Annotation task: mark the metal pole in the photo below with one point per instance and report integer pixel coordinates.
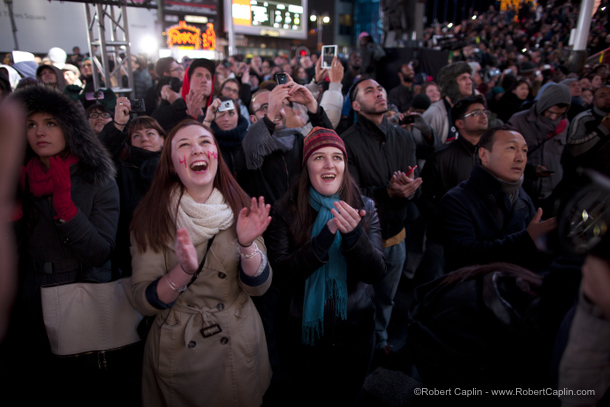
(578, 56)
(319, 31)
(9, 4)
(230, 30)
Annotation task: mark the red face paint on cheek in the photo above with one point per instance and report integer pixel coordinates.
(212, 154)
(183, 161)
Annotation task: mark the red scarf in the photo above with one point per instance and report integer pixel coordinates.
(39, 177)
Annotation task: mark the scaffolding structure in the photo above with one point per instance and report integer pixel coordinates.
(109, 44)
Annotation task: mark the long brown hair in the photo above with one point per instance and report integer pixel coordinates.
(305, 215)
(152, 222)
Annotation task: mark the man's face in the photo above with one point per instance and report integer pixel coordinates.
(464, 82)
(575, 89)
(260, 104)
(407, 73)
(176, 70)
(355, 60)
(371, 98)
(202, 79)
(474, 120)
(305, 62)
(266, 68)
(508, 155)
(555, 112)
(601, 100)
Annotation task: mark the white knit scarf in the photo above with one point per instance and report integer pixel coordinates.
(201, 220)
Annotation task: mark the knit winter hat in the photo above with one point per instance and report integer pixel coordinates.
(320, 137)
(201, 63)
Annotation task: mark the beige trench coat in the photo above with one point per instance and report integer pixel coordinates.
(181, 366)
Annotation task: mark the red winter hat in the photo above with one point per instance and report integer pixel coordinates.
(320, 137)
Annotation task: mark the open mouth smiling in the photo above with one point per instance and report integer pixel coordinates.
(199, 166)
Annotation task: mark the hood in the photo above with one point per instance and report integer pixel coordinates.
(95, 165)
(61, 81)
(553, 95)
(27, 69)
(13, 75)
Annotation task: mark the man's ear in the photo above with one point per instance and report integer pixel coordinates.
(356, 105)
(483, 155)
(459, 124)
(253, 119)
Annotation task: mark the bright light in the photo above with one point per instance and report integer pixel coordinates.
(524, 50)
(449, 25)
(604, 8)
(326, 19)
(474, 17)
(149, 45)
(313, 17)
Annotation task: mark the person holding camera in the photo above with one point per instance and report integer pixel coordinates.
(229, 128)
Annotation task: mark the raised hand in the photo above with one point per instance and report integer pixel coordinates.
(300, 94)
(251, 223)
(193, 103)
(403, 185)
(346, 218)
(185, 251)
(335, 74)
(536, 228)
(121, 112)
(210, 114)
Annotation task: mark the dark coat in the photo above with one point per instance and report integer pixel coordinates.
(444, 169)
(480, 226)
(335, 368)
(136, 169)
(374, 154)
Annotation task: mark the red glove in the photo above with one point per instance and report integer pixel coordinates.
(62, 196)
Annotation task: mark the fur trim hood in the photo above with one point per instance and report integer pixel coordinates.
(447, 79)
(95, 164)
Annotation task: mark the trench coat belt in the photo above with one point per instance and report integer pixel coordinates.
(199, 318)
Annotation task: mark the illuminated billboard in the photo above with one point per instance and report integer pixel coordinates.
(283, 19)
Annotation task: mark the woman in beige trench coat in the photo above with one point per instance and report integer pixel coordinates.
(206, 346)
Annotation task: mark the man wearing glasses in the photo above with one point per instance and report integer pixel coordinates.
(445, 169)
(545, 129)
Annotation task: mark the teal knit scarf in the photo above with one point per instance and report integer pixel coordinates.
(329, 281)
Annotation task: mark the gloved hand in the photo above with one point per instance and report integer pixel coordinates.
(421, 124)
(62, 196)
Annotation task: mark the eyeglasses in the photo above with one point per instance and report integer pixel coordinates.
(179, 69)
(477, 113)
(97, 115)
(231, 90)
(263, 108)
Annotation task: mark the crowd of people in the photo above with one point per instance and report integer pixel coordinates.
(264, 212)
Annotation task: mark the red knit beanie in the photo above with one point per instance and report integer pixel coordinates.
(320, 137)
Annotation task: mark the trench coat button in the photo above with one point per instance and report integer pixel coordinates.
(221, 275)
(220, 306)
(224, 340)
(66, 240)
(192, 344)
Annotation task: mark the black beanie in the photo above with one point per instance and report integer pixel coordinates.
(204, 63)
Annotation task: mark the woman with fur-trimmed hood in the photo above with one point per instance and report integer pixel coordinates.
(66, 226)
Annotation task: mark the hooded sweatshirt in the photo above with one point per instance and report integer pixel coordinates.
(545, 139)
